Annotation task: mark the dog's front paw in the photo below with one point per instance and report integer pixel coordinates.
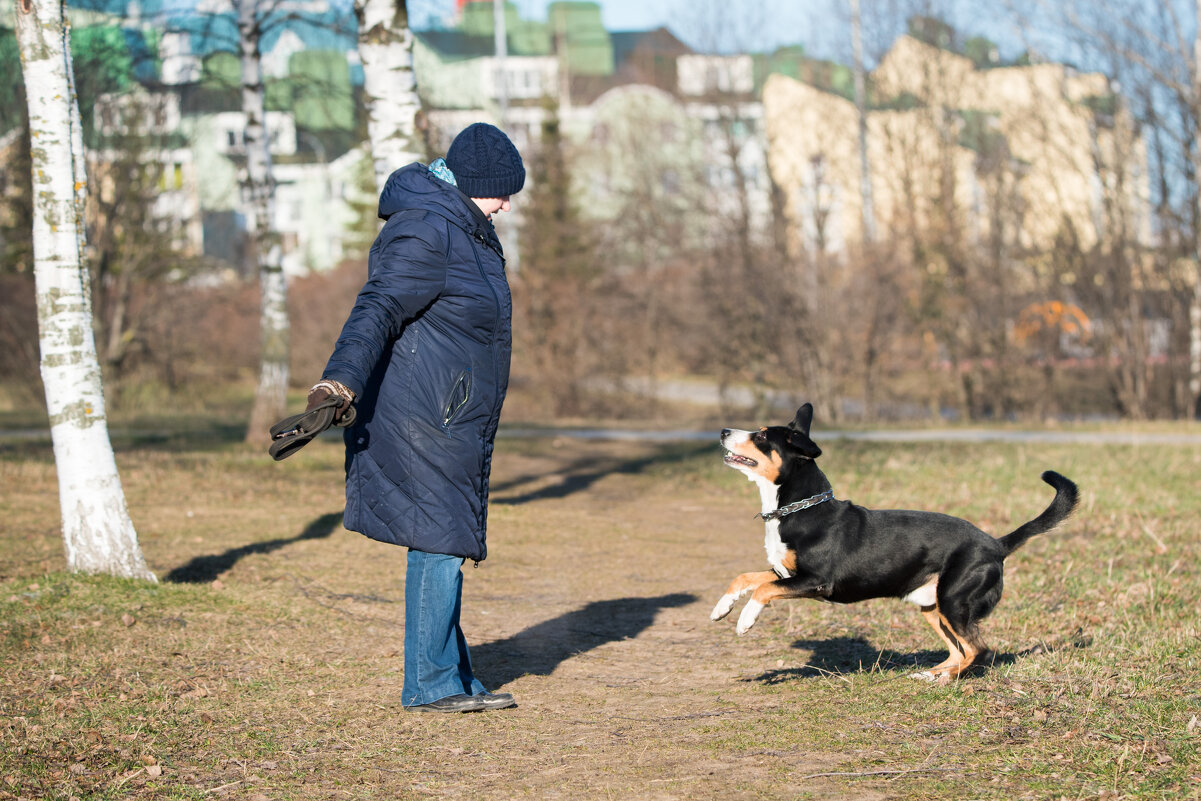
(750, 613)
(724, 605)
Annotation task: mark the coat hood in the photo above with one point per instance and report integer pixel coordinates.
(415, 187)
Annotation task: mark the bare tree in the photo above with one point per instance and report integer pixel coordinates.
(550, 292)
(389, 84)
(1194, 384)
(1146, 302)
(135, 226)
(258, 192)
(97, 531)
(865, 169)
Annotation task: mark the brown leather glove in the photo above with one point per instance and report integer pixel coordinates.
(330, 402)
(327, 388)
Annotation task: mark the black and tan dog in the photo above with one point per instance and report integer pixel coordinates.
(836, 551)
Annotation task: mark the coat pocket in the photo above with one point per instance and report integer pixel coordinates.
(456, 400)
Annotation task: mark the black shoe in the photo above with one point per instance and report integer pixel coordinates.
(495, 700)
(454, 703)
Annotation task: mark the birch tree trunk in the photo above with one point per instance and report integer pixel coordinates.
(258, 192)
(389, 84)
(97, 531)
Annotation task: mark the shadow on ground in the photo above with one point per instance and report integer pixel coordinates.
(165, 435)
(581, 474)
(541, 648)
(847, 655)
(204, 569)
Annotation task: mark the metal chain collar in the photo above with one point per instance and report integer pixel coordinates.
(797, 506)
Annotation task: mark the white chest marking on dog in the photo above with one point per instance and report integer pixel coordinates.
(769, 494)
(925, 595)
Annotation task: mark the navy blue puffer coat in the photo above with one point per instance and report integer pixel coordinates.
(426, 350)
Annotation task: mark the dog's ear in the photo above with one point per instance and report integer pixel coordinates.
(802, 443)
(804, 416)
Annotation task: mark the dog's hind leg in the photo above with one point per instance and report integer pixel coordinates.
(967, 591)
(963, 650)
(747, 582)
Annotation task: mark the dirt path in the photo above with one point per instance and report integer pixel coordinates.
(593, 610)
(267, 665)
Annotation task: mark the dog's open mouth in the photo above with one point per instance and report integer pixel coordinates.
(732, 458)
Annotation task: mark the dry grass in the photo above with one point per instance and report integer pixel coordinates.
(267, 664)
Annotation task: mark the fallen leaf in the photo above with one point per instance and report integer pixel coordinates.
(154, 771)
(127, 620)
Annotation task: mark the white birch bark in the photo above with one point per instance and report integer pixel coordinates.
(98, 534)
(389, 84)
(258, 192)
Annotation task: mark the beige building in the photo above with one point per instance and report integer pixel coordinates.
(1020, 153)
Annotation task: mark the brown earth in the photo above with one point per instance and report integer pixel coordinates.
(592, 609)
(267, 664)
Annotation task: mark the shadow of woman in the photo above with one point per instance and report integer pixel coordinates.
(204, 569)
(541, 648)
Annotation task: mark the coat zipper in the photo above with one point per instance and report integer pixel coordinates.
(460, 393)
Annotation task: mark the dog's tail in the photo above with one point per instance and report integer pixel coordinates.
(1066, 498)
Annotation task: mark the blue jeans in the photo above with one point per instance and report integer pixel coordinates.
(436, 660)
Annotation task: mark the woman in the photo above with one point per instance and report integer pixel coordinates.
(422, 366)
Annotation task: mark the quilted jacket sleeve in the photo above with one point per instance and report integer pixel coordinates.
(406, 272)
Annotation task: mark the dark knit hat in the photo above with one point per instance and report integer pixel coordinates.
(485, 162)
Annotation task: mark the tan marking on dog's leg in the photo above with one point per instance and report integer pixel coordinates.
(972, 648)
(751, 581)
(937, 622)
(964, 650)
(789, 561)
(764, 594)
(945, 633)
(738, 587)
